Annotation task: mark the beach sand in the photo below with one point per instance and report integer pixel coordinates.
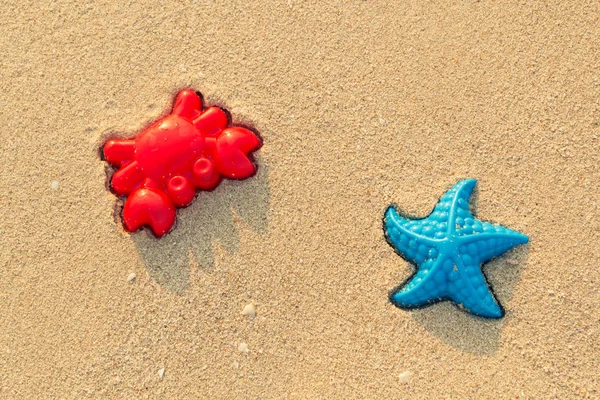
(360, 105)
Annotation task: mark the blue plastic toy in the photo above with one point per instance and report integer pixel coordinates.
(449, 247)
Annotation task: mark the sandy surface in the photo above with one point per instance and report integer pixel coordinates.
(360, 105)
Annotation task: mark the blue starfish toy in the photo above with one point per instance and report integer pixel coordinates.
(449, 247)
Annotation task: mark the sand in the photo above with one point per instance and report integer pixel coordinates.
(360, 104)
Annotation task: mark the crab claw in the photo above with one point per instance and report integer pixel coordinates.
(149, 207)
(232, 148)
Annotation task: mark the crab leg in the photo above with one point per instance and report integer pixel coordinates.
(127, 179)
(119, 151)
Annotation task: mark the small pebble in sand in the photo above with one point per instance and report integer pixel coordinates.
(243, 347)
(405, 376)
(249, 311)
(54, 185)
(131, 277)
(161, 373)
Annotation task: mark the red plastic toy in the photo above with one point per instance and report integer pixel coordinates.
(161, 169)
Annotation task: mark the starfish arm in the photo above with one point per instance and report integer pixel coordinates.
(468, 288)
(413, 246)
(494, 242)
(459, 202)
(453, 207)
(425, 287)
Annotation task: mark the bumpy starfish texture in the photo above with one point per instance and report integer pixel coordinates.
(448, 248)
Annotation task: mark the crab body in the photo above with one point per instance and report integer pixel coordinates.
(190, 149)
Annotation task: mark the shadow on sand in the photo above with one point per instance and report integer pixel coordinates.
(213, 217)
(470, 333)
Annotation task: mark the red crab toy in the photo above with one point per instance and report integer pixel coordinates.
(188, 150)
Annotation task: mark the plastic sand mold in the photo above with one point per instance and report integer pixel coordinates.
(190, 149)
(448, 247)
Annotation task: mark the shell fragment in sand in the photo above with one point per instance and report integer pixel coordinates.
(243, 347)
(54, 185)
(405, 376)
(249, 311)
(161, 373)
(131, 277)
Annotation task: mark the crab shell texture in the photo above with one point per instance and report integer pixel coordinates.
(161, 169)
